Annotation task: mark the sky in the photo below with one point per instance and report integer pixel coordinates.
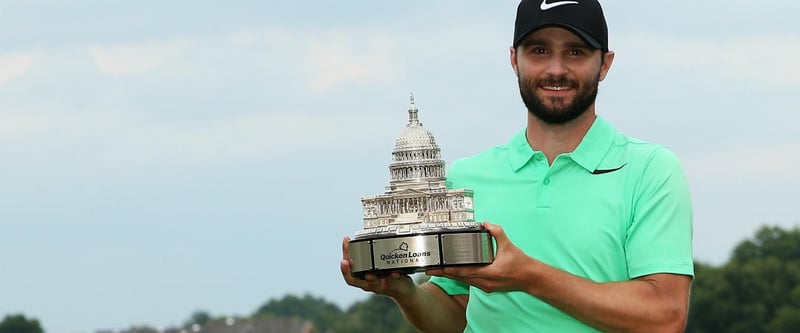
(163, 157)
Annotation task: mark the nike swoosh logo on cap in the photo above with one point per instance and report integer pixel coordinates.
(546, 6)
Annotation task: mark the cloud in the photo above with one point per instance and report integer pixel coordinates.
(14, 65)
(335, 59)
(765, 58)
(244, 38)
(127, 137)
(264, 134)
(20, 124)
(776, 162)
(132, 59)
(346, 57)
(325, 59)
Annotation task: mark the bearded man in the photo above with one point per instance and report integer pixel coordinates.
(593, 228)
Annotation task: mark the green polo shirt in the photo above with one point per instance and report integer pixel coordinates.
(614, 209)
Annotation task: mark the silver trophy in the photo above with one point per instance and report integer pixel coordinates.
(418, 223)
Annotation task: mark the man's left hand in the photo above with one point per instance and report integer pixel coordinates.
(507, 272)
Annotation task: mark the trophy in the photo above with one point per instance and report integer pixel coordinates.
(418, 223)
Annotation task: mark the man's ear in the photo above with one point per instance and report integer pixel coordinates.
(608, 58)
(513, 58)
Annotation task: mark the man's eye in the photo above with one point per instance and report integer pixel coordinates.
(576, 52)
(539, 50)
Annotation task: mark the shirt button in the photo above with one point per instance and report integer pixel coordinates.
(547, 181)
(537, 157)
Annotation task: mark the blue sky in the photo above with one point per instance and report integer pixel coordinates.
(160, 157)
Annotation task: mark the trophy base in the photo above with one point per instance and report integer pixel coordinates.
(408, 254)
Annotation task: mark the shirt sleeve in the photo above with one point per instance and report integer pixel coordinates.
(659, 239)
(450, 286)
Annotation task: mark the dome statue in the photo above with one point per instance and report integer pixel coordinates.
(418, 222)
(416, 194)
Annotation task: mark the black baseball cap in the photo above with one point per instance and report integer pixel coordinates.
(583, 17)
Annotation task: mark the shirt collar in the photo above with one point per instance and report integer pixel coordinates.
(595, 144)
(588, 154)
(519, 151)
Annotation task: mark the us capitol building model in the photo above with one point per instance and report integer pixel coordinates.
(416, 199)
(418, 223)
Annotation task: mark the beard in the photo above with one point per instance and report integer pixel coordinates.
(559, 111)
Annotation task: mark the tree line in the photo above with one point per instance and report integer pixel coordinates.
(757, 290)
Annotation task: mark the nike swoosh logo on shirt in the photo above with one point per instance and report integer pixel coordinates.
(546, 6)
(602, 171)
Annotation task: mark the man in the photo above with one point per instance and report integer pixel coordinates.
(592, 227)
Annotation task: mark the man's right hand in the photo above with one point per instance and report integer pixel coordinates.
(394, 285)
(426, 306)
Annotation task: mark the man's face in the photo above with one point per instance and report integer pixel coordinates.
(558, 74)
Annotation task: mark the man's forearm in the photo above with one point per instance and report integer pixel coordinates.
(431, 310)
(657, 303)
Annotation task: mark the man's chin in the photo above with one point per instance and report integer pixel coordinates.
(555, 117)
(555, 103)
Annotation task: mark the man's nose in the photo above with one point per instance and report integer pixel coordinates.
(556, 66)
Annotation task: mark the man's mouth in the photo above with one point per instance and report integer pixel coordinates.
(557, 88)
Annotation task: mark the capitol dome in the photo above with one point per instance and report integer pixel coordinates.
(414, 136)
(417, 197)
(416, 159)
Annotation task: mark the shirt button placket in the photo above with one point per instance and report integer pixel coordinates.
(543, 192)
(543, 197)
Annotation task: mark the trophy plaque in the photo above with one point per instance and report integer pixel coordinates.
(418, 223)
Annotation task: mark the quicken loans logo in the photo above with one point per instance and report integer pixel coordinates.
(401, 255)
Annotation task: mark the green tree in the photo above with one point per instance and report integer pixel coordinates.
(786, 320)
(17, 323)
(375, 314)
(769, 241)
(322, 313)
(198, 317)
(758, 290)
